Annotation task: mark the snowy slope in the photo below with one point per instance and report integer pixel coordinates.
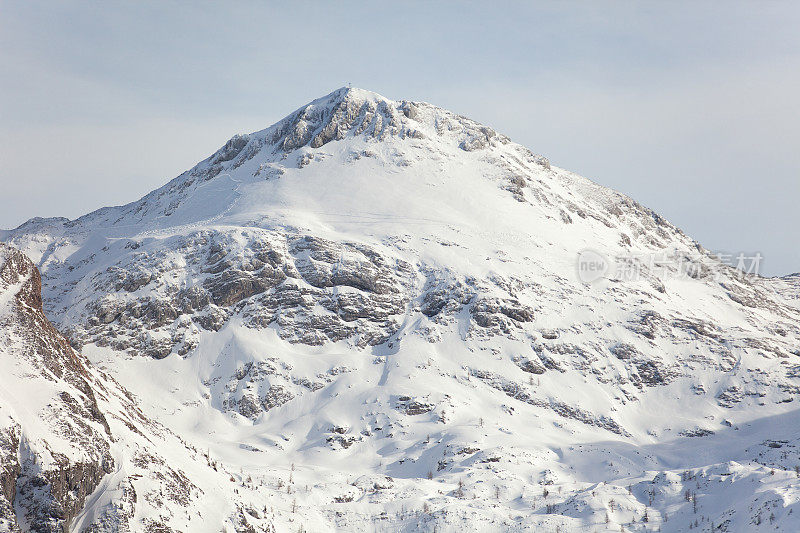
(371, 312)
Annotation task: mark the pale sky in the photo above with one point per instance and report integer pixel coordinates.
(691, 108)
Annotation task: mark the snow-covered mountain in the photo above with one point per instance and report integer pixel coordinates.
(370, 316)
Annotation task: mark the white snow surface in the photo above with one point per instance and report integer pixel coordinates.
(368, 317)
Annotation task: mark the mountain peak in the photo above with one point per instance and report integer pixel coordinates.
(332, 116)
(352, 94)
(352, 111)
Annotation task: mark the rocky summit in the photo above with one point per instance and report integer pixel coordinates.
(372, 316)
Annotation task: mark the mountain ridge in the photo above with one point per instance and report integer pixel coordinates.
(328, 118)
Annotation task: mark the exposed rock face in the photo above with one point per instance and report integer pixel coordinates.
(53, 499)
(9, 443)
(145, 306)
